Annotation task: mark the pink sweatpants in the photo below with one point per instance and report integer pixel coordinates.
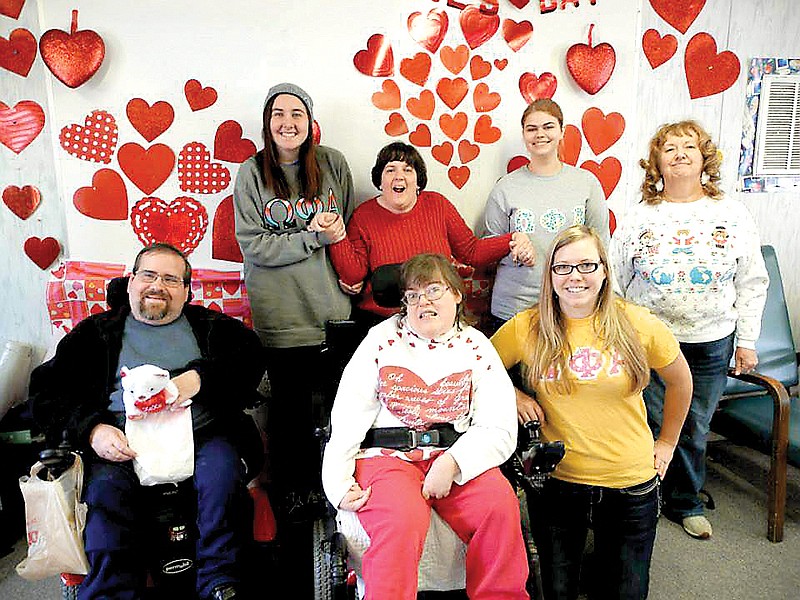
(484, 513)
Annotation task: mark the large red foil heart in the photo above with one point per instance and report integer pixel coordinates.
(378, 59)
(196, 172)
(18, 52)
(197, 96)
(43, 252)
(602, 131)
(516, 34)
(416, 69)
(678, 14)
(657, 49)
(535, 88)
(147, 169)
(591, 66)
(452, 91)
(428, 30)
(20, 125)
(182, 222)
(106, 199)
(150, 121)
(95, 141)
(22, 201)
(477, 26)
(223, 235)
(72, 57)
(11, 8)
(608, 173)
(571, 145)
(230, 146)
(708, 73)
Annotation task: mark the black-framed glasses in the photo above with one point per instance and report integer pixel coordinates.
(151, 277)
(433, 292)
(583, 268)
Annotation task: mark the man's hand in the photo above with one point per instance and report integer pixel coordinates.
(745, 360)
(188, 385)
(330, 226)
(351, 290)
(440, 477)
(355, 498)
(110, 443)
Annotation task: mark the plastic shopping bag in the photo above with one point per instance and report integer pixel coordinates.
(164, 446)
(55, 518)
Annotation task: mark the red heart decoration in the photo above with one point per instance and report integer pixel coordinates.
(708, 73)
(454, 59)
(106, 199)
(535, 88)
(608, 173)
(182, 222)
(316, 132)
(150, 121)
(11, 8)
(72, 57)
(517, 162)
(591, 66)
(452, 91)
(612, 222)
(378, 59)
(196, 172)
(42, 252)
(467, 151)
(429, 30)
(389, 97)
(422, 107)
(602, 131)
(147, 169)
(443, 153)
(519, 3)
(477, 26)
(485, 133)
(95, 141)
(416, 69)
(571, 145)
(20, 125)
(223, 242)
(453, 125)
(516, 34)
(18, 52)
(421, 136)
(197, 96)
(22, 201)
(500, 64)
(657, 49)
(396, 126)
(678, 14)
(479, 68)
(459, 176)
(230, 146)
(231, 287)
(483, 99)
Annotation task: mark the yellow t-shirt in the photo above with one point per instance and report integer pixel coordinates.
(602, 424)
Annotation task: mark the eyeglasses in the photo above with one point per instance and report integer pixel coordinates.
(584, 268)
(151, 276)
(433, 292)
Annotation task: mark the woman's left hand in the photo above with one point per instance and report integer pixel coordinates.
(662, 453)
(746, 360)
(351, 290)
(440, 477)
(522, 250)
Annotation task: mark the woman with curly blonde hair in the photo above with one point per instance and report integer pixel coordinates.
(693, 257)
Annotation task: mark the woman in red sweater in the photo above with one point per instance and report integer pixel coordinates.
(404, 221)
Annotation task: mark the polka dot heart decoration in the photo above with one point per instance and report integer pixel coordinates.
(94, 141)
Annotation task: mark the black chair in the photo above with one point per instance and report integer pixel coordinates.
(756, 407)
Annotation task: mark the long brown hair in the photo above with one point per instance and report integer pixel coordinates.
(651, 194)
(271, 171)
(547, 341)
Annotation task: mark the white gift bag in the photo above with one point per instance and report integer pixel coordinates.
(164, 446)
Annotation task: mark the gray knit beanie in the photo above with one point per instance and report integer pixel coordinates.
(294, 90)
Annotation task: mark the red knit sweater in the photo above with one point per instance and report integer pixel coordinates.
(376, 236)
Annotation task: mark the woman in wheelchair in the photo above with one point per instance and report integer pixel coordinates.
(423, 417)
(586, 355)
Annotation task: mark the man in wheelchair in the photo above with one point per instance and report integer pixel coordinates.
(424, 415)
(215, 361)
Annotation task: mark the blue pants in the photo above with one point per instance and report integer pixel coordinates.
(686, 475)
(113, 539)
(624, 523)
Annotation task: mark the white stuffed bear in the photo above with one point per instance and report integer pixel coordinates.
(147, 390)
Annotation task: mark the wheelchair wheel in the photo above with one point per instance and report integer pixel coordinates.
(323, 582)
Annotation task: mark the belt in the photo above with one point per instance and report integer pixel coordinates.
(404, 438)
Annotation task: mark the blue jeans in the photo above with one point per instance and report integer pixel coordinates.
(624, 523)
(686, 475)
(113, 540)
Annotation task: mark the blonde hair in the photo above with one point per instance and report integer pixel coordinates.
(651, 194)
(547, 341)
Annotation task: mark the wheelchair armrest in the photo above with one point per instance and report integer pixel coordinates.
(58, 459)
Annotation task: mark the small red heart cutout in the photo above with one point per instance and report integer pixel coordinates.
(477, 26)
(197, 96)
(416, 69)
(452, 91)
(429, 30)
(571, 145)
(22, 201)
(602, 131)
(20, 125)
(459, 176)
(535, 88)
(454, 59)
(516, 34)
(608, 173)
(479, 68)
(422, 107)
(421, 136)
(43, 252)
(708, 73)
(389, 96)
(657, 49)
(11, 8)
(95, 141)
(396, 126)
(106, 199)
(483, 99)
(443, 153)
(467, 151)
(378, 59)
(147, 169)
(500, 63)
(485, 132)
(453, 125)
(18, 52)
(150, 121)
(196, 172)
(517, 162)
(678, 14)
(223, 242)
(230, 146)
